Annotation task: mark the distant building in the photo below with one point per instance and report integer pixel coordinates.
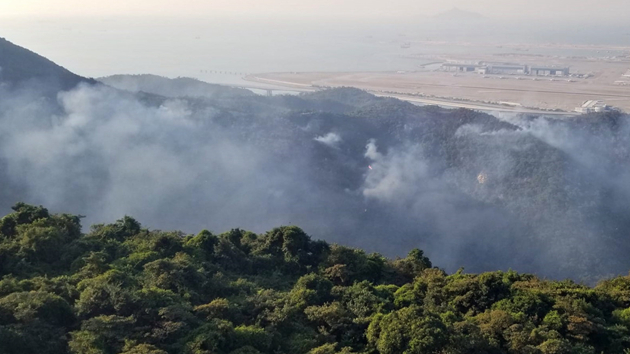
(593, 106)
(504, 69)
(462, 68)
(507, 69)
(548, 71)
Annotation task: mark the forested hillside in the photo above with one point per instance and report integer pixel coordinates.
(535, 194)
(538, 195)
(122, 288)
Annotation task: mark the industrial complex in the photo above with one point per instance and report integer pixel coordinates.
(523, 81)
(505, 69)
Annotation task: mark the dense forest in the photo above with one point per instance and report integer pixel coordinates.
(545, 196)
(123, 288)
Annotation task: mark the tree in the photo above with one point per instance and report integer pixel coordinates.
(413, 265)
(24, 214)
(107, 294)
(204, 243)
(141, 349)
(408, 331)
(28, 307)
(311, 289)
(102, 335)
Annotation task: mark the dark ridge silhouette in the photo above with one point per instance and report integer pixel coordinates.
(19, 66)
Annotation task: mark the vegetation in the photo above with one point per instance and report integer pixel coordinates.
(545, 196)
(122, 288)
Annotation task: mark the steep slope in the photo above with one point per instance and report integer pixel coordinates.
(19, 66)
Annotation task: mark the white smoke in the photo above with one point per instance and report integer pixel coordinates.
(106, 155)
(395, 175)
(330, 139)
(179, 164)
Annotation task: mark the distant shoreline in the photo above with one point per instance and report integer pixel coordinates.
(448, 103)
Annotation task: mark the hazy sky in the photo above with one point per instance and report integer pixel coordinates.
(346, 8)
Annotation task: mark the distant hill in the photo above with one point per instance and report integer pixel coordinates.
(179, 87)
(456, 14)
(19, 65)
(533, 194)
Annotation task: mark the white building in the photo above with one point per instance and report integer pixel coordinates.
(507, 69)
(592, 106)
(548, 71)
(462, 67)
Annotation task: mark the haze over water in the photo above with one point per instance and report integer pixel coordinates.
(199, 48)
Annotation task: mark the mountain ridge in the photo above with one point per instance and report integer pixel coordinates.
(19, 65)
(169, 87)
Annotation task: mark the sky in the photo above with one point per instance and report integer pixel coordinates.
(310, 8)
